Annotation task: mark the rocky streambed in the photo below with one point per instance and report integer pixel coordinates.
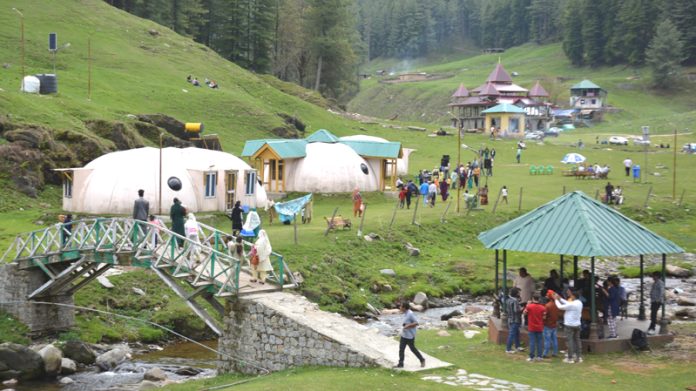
(115, 367)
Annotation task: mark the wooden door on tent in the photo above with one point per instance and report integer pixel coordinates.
(230, 188)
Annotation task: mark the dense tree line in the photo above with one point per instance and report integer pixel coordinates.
(320, 43)
(310, 42)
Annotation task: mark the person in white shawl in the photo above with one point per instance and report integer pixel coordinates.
(191, 229)
(263, 251)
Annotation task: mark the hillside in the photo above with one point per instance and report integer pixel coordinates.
(628, 89)
(138, 67)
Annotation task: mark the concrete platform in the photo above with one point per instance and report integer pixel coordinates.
(624, 329)
(381, 349)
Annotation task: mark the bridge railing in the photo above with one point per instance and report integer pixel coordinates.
(280, 267)
(148, 245)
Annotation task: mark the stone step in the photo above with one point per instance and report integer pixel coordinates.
(368, 342)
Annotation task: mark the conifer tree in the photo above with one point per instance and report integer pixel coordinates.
(664, 54)
(572, 34)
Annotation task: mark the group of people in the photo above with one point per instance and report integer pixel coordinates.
(540, 311)
(613, 195)
(184, 224)
(594, 171)
(196, 83)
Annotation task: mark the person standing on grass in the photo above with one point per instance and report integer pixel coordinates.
(657, 297)
(424, 192)
(535, 314)
(408, 335)
(526, 284)
(550, 326)
(432, 193)
(357, 203)
(411, 191)
(628, 163)
(237, 217)
(571, 323)
(514, 313)
(504, 194)
(402, 196)
(518, 156)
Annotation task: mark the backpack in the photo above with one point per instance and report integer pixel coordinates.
(639, 339)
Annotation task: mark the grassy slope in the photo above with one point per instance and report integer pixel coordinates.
(428, 100)
(135, 72)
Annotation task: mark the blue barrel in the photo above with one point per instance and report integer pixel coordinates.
(636, 171)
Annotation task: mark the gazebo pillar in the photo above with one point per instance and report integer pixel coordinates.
(575, 271)
(641, 307)
(593, 305)
(663, 321)
(561, 270)
(504, 317)
(496, 293)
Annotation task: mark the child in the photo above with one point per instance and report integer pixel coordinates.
(402, 196)
(504, 194)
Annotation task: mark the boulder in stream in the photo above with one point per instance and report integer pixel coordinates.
(52, 358)
(155, 374)
(17, 361)
(112, 358)
(79, 352)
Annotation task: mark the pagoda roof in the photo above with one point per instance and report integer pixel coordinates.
(489, 89)
(499, 75)
(538, 90)
(461, 92)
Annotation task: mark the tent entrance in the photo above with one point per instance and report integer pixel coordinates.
(230, 188)
(388, 179)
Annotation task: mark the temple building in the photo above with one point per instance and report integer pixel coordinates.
(475, 109)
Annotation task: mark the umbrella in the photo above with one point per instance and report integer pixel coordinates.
(573, 158)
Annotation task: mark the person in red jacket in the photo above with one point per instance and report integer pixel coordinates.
(550, 326)
(535, 326)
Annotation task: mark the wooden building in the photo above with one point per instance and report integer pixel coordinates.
(499, 89)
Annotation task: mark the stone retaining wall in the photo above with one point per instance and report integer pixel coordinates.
(266, 338)
(16, 285)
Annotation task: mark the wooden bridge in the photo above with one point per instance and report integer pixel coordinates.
(72, 255)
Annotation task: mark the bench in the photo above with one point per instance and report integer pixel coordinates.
(338, 222)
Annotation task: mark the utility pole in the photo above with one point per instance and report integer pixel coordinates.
(674, 167)
(21, 41)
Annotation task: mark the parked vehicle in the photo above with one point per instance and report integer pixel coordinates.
(535, 135)
(689, 148)
(640, 141)
(618, 140)
(552, 132)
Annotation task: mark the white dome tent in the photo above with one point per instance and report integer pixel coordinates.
(401, 163)
(330, 168)
(211, 181)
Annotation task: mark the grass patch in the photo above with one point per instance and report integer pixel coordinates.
(12, 330)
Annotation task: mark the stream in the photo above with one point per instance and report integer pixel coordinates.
(128, 375)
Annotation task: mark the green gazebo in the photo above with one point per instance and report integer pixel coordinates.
(578, 226)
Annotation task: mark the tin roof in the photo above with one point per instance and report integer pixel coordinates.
(285, 148)
(504, 108)
(585, 85)
(366, 148)
(489, 89)
(322, 136)
(575, 224)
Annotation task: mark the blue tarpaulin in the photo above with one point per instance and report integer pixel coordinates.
(287, 210)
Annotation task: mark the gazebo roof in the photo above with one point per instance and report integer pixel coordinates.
(504, 108)
(575, 224)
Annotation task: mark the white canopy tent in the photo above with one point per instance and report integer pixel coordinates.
(211, 181)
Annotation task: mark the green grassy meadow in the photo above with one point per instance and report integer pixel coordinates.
(476, 355)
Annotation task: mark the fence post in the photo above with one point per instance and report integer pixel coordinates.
(415, 210)
(442, 218)
(495, 206)
(295, 226)
(330, 223)
(362, 219)
(519, 206)
(681, 199)
(564, 190)
(647, 198)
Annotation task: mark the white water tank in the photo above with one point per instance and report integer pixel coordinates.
(31, 84)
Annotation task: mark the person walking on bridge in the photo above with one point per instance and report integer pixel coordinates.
(177, 213)
(263, 251)
(141, 207)
(408, 335)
